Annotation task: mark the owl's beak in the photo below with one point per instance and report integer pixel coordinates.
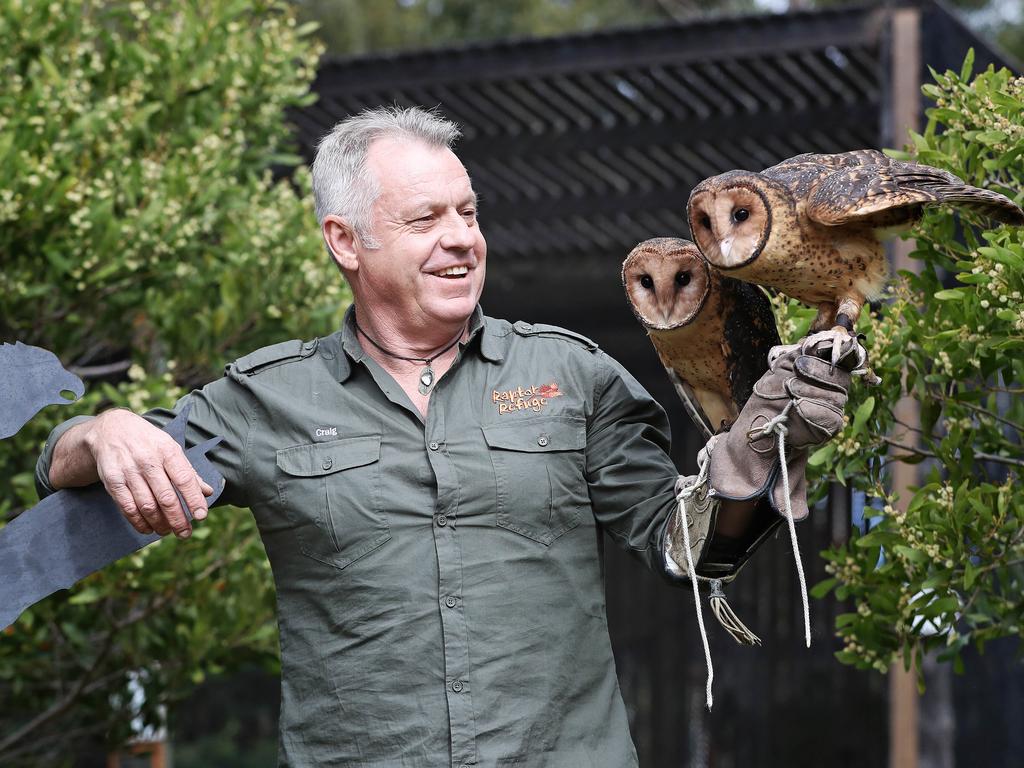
(725, 247)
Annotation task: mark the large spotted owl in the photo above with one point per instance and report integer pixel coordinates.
(812, 226)
(712, 333)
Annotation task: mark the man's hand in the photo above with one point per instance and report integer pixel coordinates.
(804, 394)
(141, 467)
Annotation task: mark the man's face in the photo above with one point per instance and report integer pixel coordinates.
(425, 222)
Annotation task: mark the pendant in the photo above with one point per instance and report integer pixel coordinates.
(426, 380)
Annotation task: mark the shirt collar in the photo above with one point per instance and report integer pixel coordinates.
(346, 345)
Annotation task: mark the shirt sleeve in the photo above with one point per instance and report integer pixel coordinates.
(634, 488)
(221, 408)
(630, 474)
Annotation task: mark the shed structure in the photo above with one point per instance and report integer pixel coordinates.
(580, 147)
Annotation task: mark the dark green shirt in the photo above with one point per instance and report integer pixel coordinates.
(439, 580)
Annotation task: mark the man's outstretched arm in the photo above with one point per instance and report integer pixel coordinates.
(142, 468)
(140, 465)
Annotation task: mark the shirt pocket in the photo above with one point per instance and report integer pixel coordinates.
(331, 493)
(539, 475)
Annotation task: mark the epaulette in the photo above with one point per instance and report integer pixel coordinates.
(275, 354)
(553, 332)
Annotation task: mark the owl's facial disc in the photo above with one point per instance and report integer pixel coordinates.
(667, 281)
(730, 225)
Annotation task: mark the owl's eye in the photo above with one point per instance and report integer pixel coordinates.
(706, 222)
(647, 282)
(740, 214)
(683, 278)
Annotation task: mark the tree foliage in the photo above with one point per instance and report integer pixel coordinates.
(146, 241)
(362, 26)
(944, 567)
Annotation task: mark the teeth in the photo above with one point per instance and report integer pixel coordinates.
(452, 271)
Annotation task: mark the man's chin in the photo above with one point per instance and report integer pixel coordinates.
(452, 311)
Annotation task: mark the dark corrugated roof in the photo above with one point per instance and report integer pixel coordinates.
(581, 145)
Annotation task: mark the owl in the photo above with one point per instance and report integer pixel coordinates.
(711, 332)
(812, 226)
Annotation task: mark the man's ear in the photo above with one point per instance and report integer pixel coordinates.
(341, 242)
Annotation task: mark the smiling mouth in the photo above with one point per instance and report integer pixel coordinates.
(452, 272)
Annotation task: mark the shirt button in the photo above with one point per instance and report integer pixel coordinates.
(442, 520)
(328, 463)
(435, 445)
(457, 686)
(450, 601)
(542, 440)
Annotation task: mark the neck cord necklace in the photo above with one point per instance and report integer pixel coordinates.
(426, 376)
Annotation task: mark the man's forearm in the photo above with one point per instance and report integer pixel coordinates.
(734, 517)
(73, 464)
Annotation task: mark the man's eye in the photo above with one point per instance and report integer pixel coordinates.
(469, 213)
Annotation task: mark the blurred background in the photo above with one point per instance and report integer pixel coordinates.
(585, 122)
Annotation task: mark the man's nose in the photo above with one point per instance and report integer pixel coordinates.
(458, 234)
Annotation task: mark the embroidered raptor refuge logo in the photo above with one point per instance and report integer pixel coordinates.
(525, 398)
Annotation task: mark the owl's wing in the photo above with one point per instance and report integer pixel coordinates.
(821, 163)
(691, 403)
(893, 192)
(750, 333)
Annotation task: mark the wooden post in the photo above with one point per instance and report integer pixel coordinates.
(905, 109)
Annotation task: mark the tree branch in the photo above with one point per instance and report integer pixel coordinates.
(99, 371)
(912, 450)
(985, 412)
(62, 704)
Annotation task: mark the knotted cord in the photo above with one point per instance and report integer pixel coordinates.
(778, 426)
(685, 492)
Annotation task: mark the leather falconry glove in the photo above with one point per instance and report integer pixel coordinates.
(803, 396)
(796, 405)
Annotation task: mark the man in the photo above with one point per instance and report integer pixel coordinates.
(431, 486)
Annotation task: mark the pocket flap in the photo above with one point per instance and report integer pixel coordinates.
(537, 436)
(326, 458)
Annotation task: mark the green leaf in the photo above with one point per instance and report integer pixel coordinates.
(846, 657)
(913, 555)
(949, 294)
(877, 537)
(1002, 255)
(991, 137)
(822, 588)
(284, 159)
(970, 574)
(821, 455)
(968, 65)
(863, 413)
(86, 596)
(940, 606)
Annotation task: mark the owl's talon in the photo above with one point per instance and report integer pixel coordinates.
(834, 346)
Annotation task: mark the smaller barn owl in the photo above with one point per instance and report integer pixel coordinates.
(712, 333)
(812, 226)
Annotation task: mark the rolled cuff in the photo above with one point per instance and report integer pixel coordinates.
(45, 460)
(714, 555)
(699, 517)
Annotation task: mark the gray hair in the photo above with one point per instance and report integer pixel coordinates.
(343, 185)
